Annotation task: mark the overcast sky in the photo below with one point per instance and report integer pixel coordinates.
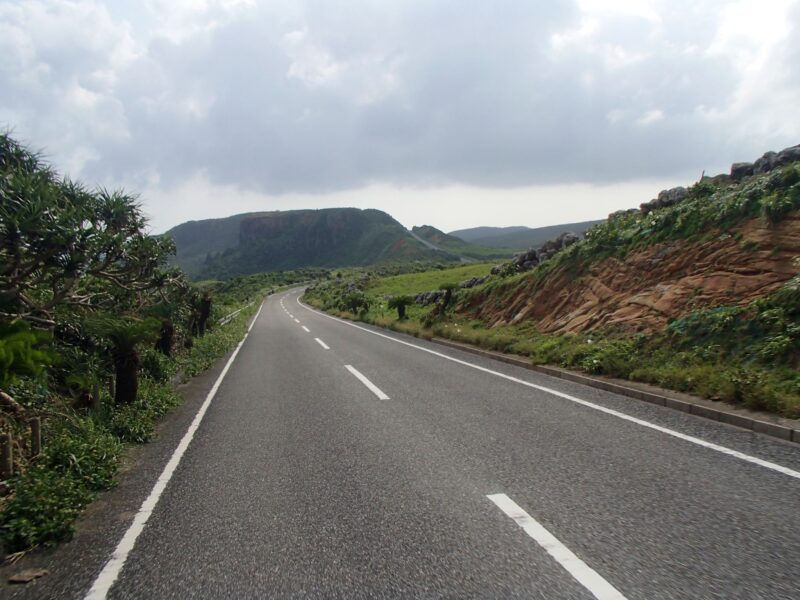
(454, 113)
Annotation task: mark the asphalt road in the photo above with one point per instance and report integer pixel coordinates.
(335, 461)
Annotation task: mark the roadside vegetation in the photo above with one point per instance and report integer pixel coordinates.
(746, 355)
(96, 330)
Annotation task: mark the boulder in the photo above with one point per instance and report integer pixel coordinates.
(470, 283)
(531, 256)
(766, 163)
(567, 239)
(788, 155)
(426, 298)
(665, 198)
(672, 196)
(741, 170)
(497, 269)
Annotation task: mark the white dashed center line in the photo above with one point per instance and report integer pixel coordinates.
(583, 573)
(321, 343)
(371, 386)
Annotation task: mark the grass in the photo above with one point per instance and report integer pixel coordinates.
(415, 283)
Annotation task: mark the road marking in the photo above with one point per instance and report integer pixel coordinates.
(111, 570)
(291, 316)
(609, 411)
(372, 387)
(306, 329)
(297, 321)
(321, 343)
(583, 573)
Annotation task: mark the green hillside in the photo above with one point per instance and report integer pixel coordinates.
(280, 241)
(519, 238)
(455, 245)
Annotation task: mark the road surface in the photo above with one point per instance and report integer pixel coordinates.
(339, 460)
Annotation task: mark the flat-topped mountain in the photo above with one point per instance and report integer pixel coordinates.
(283, 240)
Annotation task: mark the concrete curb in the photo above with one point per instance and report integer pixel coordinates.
(714, 414)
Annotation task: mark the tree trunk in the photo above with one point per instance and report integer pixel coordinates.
(205, 312)
(126, 369)
(401, 311)
(166, 338)
(448, 295)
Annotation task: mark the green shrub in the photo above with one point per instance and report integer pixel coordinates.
(776, 206)
(83, 450)
(42, 509)
(156, 365)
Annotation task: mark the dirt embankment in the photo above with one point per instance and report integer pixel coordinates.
(651, 286)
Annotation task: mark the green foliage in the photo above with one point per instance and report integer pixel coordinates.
(123, 333)
(135, 422)
(42, 509)
(355, 302)
(400, 303)
(81, 449)
(415, 283)
(80, 266)
(157, 366)
(21, 352)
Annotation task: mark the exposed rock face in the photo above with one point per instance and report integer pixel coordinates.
(529, 259)
(651, 286)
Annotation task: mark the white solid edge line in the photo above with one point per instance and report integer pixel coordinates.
(321, 343)
(108, 576)
(372, 387)
(609, 411)
(306, 329)
(583, 573)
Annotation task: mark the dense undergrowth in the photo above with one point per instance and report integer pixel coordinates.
(82, 448)
(95, 327)
(746, 355)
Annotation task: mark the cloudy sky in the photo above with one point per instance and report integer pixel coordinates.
(455, 113)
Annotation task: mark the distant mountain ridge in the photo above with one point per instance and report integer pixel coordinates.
(328, 238)
(458, 246)
(284, 240)
(519, 238)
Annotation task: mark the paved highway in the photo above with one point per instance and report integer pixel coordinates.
(337, 460)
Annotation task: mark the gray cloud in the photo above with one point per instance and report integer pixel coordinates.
(324, 96)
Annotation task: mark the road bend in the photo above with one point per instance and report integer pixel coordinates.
(338, 460)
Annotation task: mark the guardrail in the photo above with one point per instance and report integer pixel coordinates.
(228, 318)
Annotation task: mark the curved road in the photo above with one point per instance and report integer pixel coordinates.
(337, 460)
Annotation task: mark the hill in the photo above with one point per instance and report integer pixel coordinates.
(518, 238)
(457, 246)
(279, 241)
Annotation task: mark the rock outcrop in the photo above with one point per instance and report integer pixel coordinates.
(651, 286)
(665, 198)
(768, 162)
(535, 256)
(426, 298)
